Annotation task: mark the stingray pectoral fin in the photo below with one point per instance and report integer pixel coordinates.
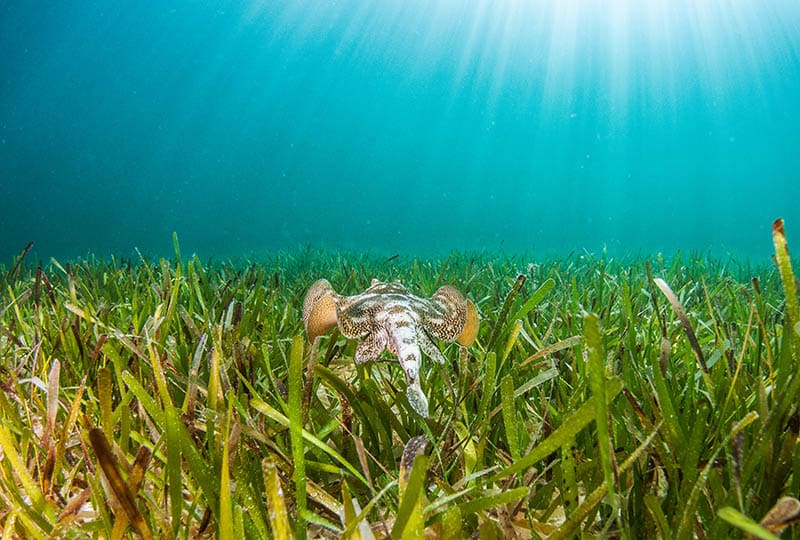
(471, 326)
(370, 347)
(319, 309)
(445, 314)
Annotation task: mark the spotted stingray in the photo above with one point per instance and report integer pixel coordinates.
(388, 316)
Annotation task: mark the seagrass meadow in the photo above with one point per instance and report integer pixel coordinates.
(174, 398)
(190, 189)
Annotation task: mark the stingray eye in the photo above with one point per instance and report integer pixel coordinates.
(319, 309)
(373, 282)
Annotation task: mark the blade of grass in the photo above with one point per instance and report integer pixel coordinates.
(173, 466)
(108, 463)
(134, 482)
(785, 512)
(687, 326)
(744, 523)
(533, 382)
(408, 522)
(52, 402)
(488, 385)
(653, 506)
(296, 431)
(272, 413)
(501, 317)
(597, 383)
(555, 347)
(569, 484)
(226, 520)
(413, 470)
(278, 514)
(104, 397)
(349, 510)
(787, 278)
(535, 298)
(510, 416)
(492, 500)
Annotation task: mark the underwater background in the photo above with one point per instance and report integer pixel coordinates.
(407, 126)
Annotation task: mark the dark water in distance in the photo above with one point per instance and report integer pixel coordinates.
(411, 126)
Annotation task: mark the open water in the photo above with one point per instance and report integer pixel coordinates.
(411, 126)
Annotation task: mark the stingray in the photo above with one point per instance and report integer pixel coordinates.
(387, 316)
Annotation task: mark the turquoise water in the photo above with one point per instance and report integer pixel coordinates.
(399, 126)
